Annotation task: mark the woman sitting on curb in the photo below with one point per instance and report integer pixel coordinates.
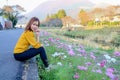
(30, 37)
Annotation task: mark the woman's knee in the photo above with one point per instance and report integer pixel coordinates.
(41, 48)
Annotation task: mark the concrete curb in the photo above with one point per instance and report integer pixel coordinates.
(30, 71)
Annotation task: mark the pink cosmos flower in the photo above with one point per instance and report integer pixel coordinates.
(102, 63)
(82, 51)
(82, 68)
(71, 52)
(88, 63)
(81, 46)
(76, 76)
(111, 70)
(117, 53)
(46, 33)
(116, 78)
(92, 55)
(109, 73)
(50, 39)
(99, 71)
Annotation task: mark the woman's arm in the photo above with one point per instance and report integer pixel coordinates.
(31, 39)
(37, 32)
(37, 37)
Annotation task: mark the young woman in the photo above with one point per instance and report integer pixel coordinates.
(30, 37)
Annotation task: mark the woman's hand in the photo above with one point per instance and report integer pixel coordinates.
(37, 32)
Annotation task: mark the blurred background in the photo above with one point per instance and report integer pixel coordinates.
(60, 13)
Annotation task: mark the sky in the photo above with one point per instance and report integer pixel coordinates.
(113, 2)
(29, 5)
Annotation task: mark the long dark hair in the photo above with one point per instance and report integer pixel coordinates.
(28, 26)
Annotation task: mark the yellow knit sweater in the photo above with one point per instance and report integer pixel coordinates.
(26, 39)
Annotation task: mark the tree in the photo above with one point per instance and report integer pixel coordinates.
(84, 17)
(98, 12)
(12, 13)
(54, 22)
(68, 20)
(61, 13)
(53, 16)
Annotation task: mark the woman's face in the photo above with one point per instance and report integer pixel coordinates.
(34, 26)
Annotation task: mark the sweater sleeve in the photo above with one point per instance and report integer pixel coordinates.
(31, 39)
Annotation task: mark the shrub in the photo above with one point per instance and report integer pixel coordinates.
(53, 23)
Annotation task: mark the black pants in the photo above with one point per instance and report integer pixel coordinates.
(31, 53)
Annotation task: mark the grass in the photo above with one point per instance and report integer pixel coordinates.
(66, 68)
(107, 36)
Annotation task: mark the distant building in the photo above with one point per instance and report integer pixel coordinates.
(116, 18)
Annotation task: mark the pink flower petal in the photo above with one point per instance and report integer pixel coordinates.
(76, 76)
(82, 68)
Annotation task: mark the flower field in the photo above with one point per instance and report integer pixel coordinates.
(75, 61)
